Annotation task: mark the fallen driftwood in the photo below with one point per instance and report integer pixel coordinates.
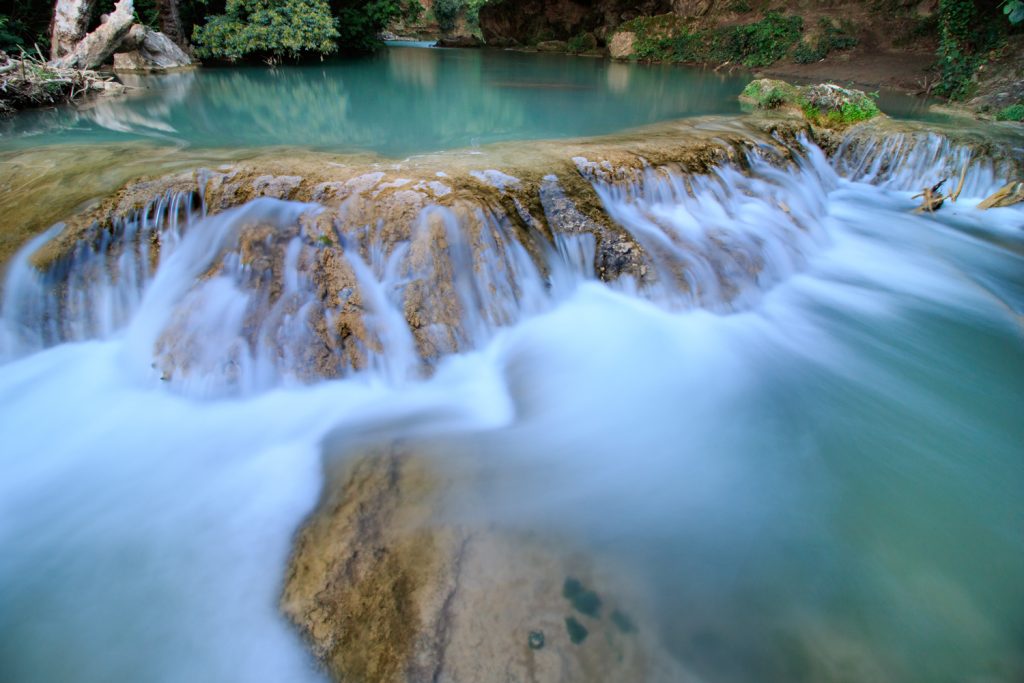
(1009, 194)
(932, 198)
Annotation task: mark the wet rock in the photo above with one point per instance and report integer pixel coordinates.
(278, 187)
(450, 261)
(386, 588)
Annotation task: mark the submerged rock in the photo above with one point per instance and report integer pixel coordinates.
(387, 585)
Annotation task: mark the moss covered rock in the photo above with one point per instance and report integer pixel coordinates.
(825, 104)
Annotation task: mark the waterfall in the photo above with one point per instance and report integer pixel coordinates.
(277, 291)
(775, 409)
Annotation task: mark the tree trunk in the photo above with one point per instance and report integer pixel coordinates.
(69, 25)
(97, 47)
(170, 22)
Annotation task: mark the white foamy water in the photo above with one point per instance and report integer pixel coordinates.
(814, 465)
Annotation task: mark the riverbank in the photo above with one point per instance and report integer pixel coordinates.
(27, 82)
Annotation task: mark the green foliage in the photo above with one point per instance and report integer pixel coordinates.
(447, 12)
(756, 44)
(25, 23)
(1015, 112)
(832, 38)
(584, 42)
(740, 6)
(360, 21)
(260, 28)
(966, 34)
(764, 42)
(831, 105)
(9, 41)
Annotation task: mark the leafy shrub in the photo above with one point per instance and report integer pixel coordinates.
(966, 33)
(760, 43)
(9, 41)
(361, 21)
(584, 42)
(764, 42)
(1015, 112)
(258, 28)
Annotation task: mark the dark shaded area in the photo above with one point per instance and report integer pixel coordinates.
(584, 600)
(527, 22)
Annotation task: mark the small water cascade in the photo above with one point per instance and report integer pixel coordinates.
(719, 241)
(912, 161)
(95, 289)
(278, 291)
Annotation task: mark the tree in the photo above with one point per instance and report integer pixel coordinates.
(93, 49)
(262, 28)
(361, 21)
(70, 24)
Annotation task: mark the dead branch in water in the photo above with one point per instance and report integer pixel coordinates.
(1009, 194)
(931, 197)
(29, 81)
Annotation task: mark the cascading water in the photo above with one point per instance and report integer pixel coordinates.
(801, 433)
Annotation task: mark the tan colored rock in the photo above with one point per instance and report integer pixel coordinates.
(621, 45)
(386, 587)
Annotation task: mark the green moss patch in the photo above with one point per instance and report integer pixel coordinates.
(584, 600)
(577, 631)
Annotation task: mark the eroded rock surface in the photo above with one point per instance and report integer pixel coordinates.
(145, 50)
(386, 586)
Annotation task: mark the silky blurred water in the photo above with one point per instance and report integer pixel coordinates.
(815, 473)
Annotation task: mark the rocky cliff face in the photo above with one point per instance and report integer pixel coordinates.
(527, 22)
